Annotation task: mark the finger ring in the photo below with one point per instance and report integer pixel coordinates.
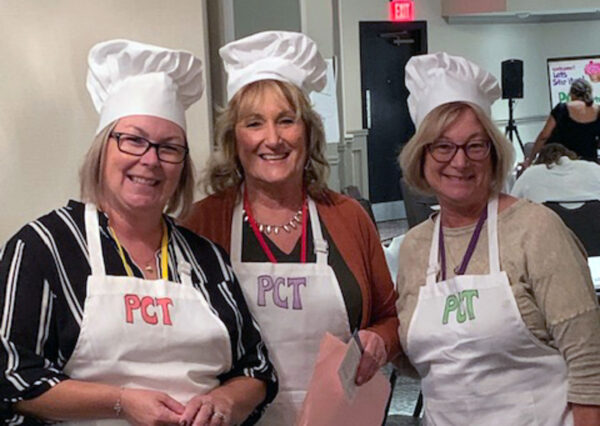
(219, 415)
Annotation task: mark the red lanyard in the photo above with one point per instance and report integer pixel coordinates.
(261, 240)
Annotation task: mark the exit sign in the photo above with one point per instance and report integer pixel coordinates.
(402, 10)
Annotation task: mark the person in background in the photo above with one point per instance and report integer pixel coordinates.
(496, 306)
(309, 260)
(558, 175)
(111, 313)
(574, 124)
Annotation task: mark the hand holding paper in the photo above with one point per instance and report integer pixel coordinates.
(326, 401)
(373, 358)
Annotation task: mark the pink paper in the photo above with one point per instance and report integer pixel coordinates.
(326, 403)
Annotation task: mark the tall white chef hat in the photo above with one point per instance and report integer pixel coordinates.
(438, 78)
(129, 78)
(279, 55)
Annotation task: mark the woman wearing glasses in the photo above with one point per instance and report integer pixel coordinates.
(111, 313)
(497, 309)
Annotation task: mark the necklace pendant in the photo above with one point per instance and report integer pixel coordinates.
(261, 227)
(148, 268)
(276, 230)
(286, 228)
(268, 229)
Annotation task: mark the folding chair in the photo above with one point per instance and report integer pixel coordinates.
(583, 218)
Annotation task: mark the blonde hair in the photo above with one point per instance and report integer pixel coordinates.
(224, 168)
(91, 180)
(412, 157)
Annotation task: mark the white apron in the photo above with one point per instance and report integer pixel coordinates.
(479, 363)
(156, 335)
(294, 305)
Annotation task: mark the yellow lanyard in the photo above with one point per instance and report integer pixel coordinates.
(164, 253)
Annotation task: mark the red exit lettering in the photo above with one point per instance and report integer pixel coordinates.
(402, 10)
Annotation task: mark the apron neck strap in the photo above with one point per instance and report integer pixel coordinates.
(433, 265)
(320, 244)
(92, 231)
(492, 229)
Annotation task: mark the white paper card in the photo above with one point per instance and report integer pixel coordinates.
(347, 370)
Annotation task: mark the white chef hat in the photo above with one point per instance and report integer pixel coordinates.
(129, 78)
(438, 78)
(279, 55)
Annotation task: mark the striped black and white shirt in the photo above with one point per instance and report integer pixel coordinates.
(43, 274)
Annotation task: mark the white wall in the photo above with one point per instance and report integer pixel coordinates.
(47, 120)
(486, 45)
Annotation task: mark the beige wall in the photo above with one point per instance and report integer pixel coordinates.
(47, 120)
(252, 16)
(317, 23)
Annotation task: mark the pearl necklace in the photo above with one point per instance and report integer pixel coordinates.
(288, 227)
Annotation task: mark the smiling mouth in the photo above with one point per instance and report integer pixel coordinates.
(459, 178)
(274, 157)
(143, 181)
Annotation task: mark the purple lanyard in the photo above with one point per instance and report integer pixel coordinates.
(470, 249)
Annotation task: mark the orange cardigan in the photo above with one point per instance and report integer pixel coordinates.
(355, 236)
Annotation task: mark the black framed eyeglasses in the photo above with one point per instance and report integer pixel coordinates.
(444, 151)
(138, 146)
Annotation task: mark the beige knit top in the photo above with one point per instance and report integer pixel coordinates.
(547, 269)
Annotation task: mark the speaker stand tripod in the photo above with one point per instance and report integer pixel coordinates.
(511, 127)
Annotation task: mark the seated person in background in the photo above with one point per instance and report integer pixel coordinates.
(558, 175)
(575, 124)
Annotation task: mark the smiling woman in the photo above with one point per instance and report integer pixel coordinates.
(93, 293)
(135, 178)
(271, 141)
(496, 301)
(309, 260)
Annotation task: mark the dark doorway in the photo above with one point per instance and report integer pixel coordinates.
(385, 47)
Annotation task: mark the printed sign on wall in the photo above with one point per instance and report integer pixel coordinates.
(562, 72)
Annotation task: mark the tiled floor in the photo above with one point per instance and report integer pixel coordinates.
(404, 400)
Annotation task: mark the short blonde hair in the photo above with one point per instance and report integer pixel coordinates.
(412, 157)
(92, 185)
(224, 169)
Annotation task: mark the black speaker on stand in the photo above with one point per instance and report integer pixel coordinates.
(512, 88)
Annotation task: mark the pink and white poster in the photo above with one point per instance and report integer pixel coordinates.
(562, 72)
